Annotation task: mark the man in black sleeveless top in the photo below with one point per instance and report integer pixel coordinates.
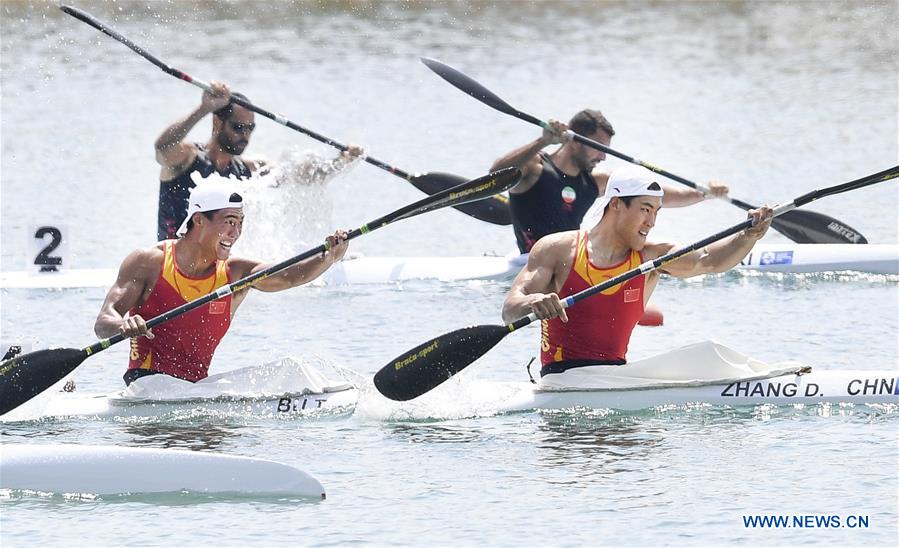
(232, 126)
(557, 189)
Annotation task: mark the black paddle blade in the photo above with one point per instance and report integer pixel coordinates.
(26, 376)
(809, 227)
(426, 366)
(494, 209)
(469, 86)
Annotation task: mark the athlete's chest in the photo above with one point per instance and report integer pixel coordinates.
(570, 193)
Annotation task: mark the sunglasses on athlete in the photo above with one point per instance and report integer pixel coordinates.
(242, 128)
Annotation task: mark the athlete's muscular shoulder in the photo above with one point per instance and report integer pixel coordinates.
(653, 251)
(176, 160)
(140, 269)
(144, 261)
(239, 267)
(530, 174)
(555, 251)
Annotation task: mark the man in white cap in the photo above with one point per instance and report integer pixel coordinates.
(156, 279)
(597, 330)
(556, 189)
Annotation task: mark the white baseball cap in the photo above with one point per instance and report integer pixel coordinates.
(624, 181)
(210, 195)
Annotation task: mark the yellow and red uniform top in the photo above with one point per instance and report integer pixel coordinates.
(183, 346)
(599, 328)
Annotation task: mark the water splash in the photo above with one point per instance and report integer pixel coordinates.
(287, 207)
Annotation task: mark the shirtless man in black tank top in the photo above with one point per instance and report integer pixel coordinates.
(232, 126)
(558, 188)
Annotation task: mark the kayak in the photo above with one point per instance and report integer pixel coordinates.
(787, 257)
(351, 271)
(284, 388)
(856, 387)
(804, 258)
(376, 270)
(109, 470)
(704, 373)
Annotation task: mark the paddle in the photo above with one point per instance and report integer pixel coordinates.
(426, 366)
(494, 209)
(804, 227)
(27, 375)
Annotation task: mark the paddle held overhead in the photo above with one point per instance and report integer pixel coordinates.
(493, 209)
(804, 227)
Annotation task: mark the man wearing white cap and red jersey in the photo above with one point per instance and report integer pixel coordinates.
(156, 279)
(597, 329)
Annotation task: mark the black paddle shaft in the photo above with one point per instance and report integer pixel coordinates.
(494, 209)
(431, 363)
(805, 227)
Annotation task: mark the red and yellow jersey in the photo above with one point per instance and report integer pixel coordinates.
(598, 328)
(183, 346)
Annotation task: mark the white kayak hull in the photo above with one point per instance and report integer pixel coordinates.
(379, 270)
(107, 470)
(787, 257)
(806, 258)
(851, 387)
(362, 270)
(282, 406)
(284, 388)
(63, 279)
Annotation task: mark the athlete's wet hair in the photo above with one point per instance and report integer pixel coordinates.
(589, 121)
(225, 112)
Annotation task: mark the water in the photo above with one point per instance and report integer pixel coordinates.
(775, 98)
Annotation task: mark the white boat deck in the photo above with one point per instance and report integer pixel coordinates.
(786, 257)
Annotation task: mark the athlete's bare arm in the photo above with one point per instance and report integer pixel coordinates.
(526, 158)
(600, 177)
(137, 276)
(718, 257)
(536, 287)
(175, 154)
(678, 195)
(298, 274)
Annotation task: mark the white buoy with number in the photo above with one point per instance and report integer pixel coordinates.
(48, 248)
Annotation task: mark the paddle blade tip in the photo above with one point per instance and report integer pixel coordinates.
(430, 364)
(24, 377)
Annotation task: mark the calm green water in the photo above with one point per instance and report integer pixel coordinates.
(776, 98)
